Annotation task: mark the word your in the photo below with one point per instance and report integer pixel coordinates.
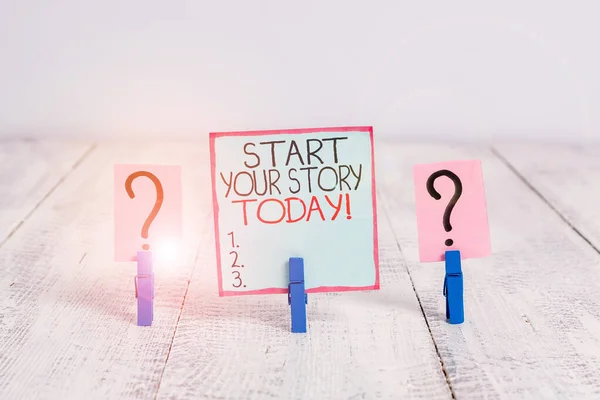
(327, 179)
(275, 211)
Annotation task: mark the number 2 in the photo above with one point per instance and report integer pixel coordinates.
(234, 265)
(238, 278)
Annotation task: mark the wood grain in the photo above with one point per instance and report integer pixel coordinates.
(566, 176)
(532, 310)
(29, 172)
(68, 312)
(359, 345)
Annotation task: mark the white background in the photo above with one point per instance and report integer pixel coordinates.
(454, 70)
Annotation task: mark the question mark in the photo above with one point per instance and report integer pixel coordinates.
(157, 203)
(435, 194)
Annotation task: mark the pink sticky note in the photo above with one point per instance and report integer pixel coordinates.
(157, 193)
(466, 228)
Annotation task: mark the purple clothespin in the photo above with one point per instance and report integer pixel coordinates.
(144, 288)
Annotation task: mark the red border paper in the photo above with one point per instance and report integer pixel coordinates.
(320, 289)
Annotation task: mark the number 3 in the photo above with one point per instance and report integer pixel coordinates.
(238, 278)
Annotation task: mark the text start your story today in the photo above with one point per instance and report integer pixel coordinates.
(288, 181)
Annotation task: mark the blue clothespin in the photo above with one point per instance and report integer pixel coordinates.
(297, 297)
(453, 288)
(144, 288)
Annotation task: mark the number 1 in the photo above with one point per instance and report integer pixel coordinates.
(232, 239)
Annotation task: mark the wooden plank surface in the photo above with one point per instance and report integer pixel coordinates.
(566, 176)
(532, 310)
(68, 312)
(29, 172)
(367, 345)
(68, 325)
(359, 345)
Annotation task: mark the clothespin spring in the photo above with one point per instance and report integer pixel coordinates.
(135, 281)
(290, 294)
(445, 289)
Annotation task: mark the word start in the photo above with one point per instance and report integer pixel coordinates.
(294, 182)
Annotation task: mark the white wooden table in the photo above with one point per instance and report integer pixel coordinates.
(68, 313)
